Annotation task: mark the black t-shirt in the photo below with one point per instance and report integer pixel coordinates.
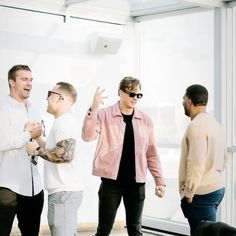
(126, 174)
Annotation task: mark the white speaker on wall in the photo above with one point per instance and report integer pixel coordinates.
(103, 43)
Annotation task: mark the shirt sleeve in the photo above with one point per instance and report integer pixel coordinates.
(153, 159)
(91, 126)
(196, 161)
(66, 128)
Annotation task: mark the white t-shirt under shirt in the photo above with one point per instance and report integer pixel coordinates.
(64, 176)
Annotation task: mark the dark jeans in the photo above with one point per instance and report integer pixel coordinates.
(27, 209)
(203, 207)
(110, 196)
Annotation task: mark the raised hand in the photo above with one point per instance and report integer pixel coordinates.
(98, 99)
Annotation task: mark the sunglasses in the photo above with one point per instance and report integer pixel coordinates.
(132, 95)
(52, 92)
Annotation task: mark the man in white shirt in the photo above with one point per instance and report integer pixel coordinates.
(61, 168)
(21, 191)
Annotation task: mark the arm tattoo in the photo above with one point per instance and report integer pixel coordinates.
(62, 153)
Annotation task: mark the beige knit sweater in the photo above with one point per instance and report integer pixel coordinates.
(203, 157)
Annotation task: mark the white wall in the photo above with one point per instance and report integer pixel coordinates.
(58, 51)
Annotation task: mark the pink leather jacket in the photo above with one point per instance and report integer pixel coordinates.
(108, 125)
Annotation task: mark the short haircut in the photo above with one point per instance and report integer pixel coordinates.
(198, 94)
(129, 83)
(68, 89)
(14, 69)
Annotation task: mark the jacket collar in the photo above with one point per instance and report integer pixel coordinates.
(116, 111)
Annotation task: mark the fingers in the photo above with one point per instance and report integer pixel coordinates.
(32, 143)
(160, 191)
(31, 147)
(189, 200)
(98, 93)
(30, 126)
(98, 99)
(33, 123)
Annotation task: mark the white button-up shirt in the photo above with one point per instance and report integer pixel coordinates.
(16, 170)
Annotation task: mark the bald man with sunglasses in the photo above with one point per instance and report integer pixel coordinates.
(61, 174)
(125, 149)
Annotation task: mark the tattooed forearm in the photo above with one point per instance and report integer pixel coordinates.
(62, 153)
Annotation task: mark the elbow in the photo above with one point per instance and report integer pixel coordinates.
(84, 135)
(88, 138)
(62, 161)
(84, 138)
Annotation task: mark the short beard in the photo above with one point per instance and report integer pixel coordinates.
(186, 113)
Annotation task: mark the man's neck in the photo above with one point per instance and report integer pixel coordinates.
(24, 101)
(62, 111)
(197, 110)
(126, 110)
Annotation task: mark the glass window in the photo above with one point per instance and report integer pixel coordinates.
(175, 52)
(234, 191)
(232, 113)
(58, 51)
(234, 74)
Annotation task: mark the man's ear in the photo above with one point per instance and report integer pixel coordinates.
(12, 83)
(189, 101)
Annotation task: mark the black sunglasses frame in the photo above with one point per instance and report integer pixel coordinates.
(132, 95)
(52, 92)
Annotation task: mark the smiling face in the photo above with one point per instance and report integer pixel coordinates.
(127, 99)
(56, 100)
(129, 92)
(54, 96)
(21, 86)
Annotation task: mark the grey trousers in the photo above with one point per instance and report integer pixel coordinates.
(62, 212)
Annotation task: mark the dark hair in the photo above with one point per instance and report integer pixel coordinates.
(14, 69)
(198, 94)
(129, 83)
(68, 89)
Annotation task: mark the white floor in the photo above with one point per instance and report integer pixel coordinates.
(90, 233)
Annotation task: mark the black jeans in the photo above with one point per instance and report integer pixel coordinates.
(110, 196)
(27, 209)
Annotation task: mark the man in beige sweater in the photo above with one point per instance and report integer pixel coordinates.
(203, 159)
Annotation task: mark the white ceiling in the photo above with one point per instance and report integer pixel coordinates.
(140, 8)
(118, 11)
